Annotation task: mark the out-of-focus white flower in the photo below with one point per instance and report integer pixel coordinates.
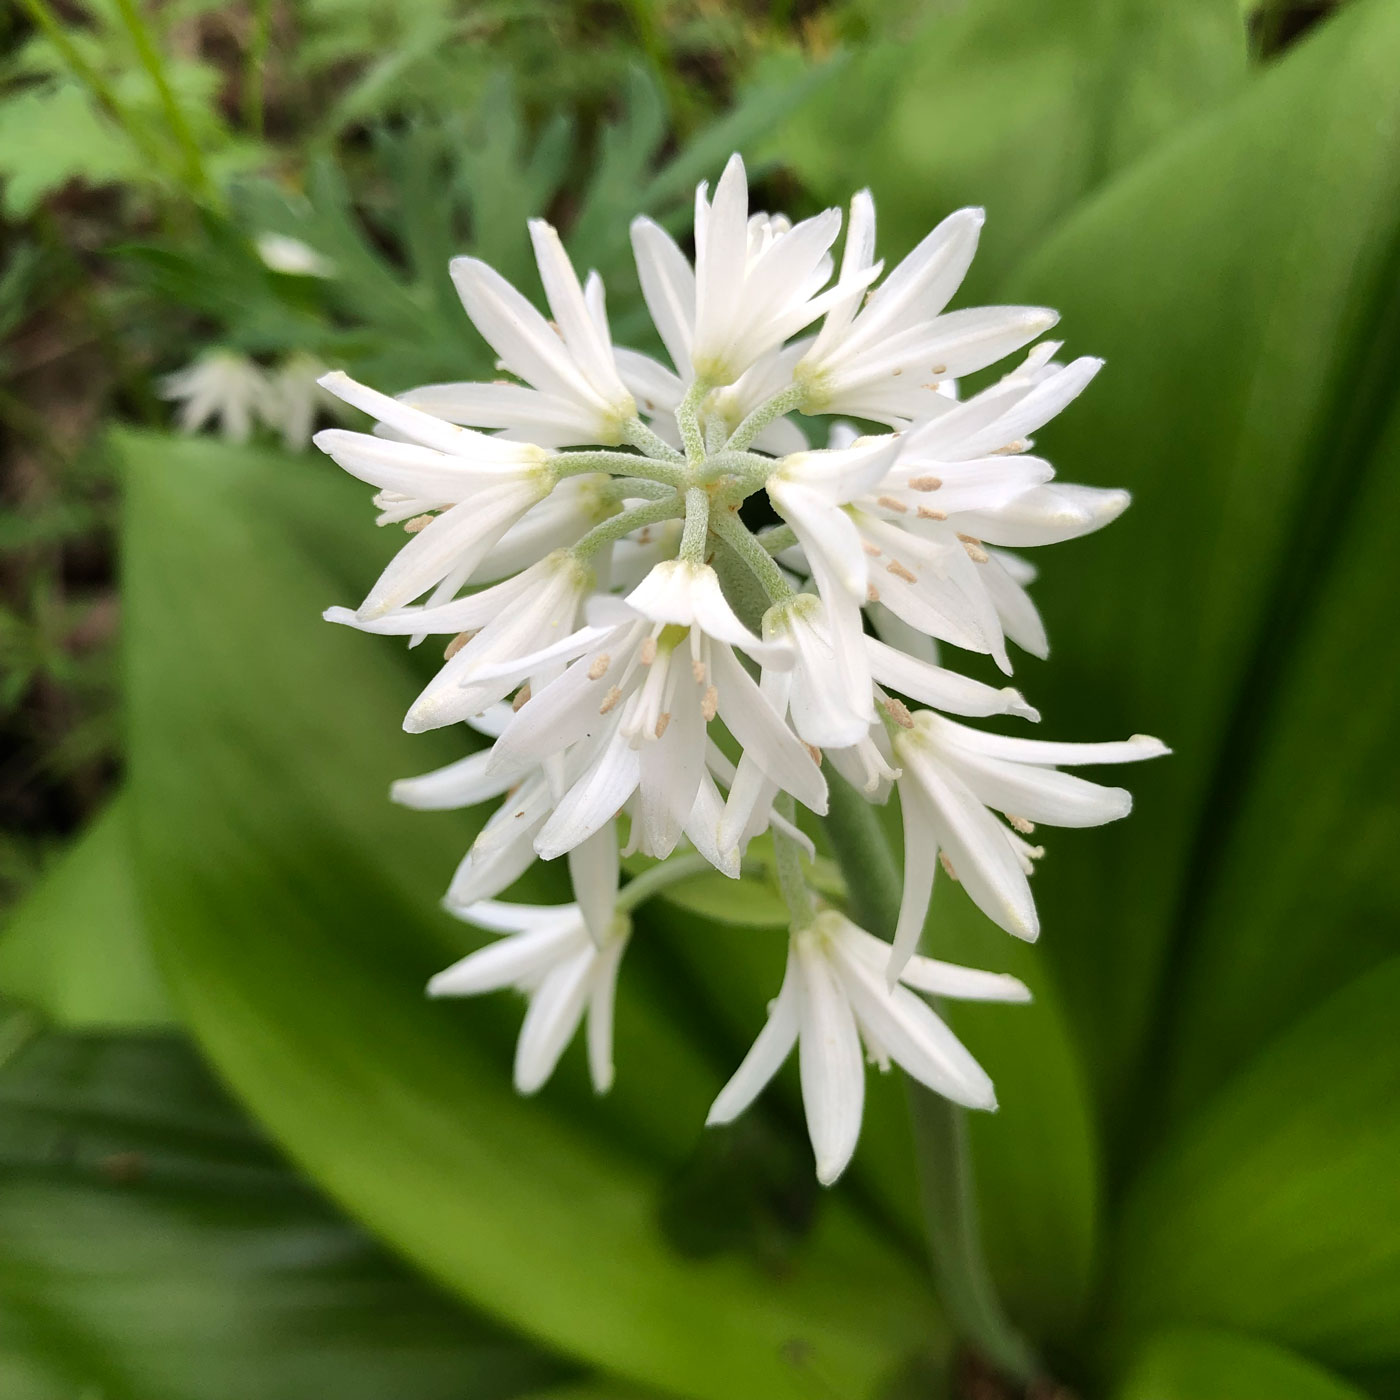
(296, 399)
(292, 256)
(835, 997)
(223, 387)
(547, 954)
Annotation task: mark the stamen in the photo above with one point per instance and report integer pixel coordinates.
(975, 552)
(872, 594)
(928, 513)
(947, 865)
(662, 721)
(925, 483)
(610, 699)
(1020, 824)
(709, 703)
(898, 711)
(899, 571)
(600, 665)
(873, 550)
(697, 669)
(419, 522)
(457, 643)
(816, 754)
(523, 698)
(648, 651)
(891, 503)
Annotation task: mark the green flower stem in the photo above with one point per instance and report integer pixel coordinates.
(151, 61)
(797, 894)
(748, 467)
(645, 440)
(697, 524)
(621, 487)
(253, 67)
(92, 79)
(688, 419)
(746, 545)
(947, 1188)
(791, 398)
(618, 464)
(624, 523)
(652, 881)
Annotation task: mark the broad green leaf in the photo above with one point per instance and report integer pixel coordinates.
(1020, 108)
(1307, 892)
(1232, 285)
(77, 949)
(1197, 1364)
(1278, 1210)
(291, 907)
(152, 1247)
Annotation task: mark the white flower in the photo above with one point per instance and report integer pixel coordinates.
(291, 256)
(756, 280)
(224, 387)
(889, 359)
(547, 954)
(834, 996)
(482, 485)
(296, 398)
(492, 629)
(572, 392)
(952, 775)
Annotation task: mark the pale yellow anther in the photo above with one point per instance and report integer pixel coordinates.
(697, 670)
(1020, 824)
(947, 865)
(456, 644)
(975, 552)
(898, 711)
(815, 753)
(522, 698)
(609, 700)
(892, 503)
(648, 651)
(872, 594)
(662, 721)
(709, 703)
(899, 571)
(873, 550)
(925, 483)
(419, 522)
(600, 665)
(928, 513)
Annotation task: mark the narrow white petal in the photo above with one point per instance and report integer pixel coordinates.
(920, 868)
(593, 871)
(459, 784)
(550, 1022)
(829, 1056)
(766, 1055)
(595, 798)
(601, 1000)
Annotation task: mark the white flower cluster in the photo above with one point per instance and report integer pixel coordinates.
(649, 666)
(228, 388)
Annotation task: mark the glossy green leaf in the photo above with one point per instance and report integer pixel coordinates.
(77, 949)
(1196, 1364)
(1234, 285)
(152, 1247)
(1278, 1211)
(1022, 109)
(292, 908)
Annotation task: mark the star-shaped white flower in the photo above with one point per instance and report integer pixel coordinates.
(834, 997)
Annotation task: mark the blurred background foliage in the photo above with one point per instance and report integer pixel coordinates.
(1192, 1190)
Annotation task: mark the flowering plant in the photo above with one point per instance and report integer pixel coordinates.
(579, 531)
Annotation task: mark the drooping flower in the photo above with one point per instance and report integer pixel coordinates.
(547, 953)
(834, 1000)
(222, 387)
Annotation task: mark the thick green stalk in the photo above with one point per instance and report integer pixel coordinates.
(946, 1184)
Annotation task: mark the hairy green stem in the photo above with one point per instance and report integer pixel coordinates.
(619, 464)
(688, 420)
(635, 432)
(759, 562)
(946, 1184)
(792, 397)
(797, 894)
(659, 877)
(697, 524)
(779, 538)
(624, 523)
